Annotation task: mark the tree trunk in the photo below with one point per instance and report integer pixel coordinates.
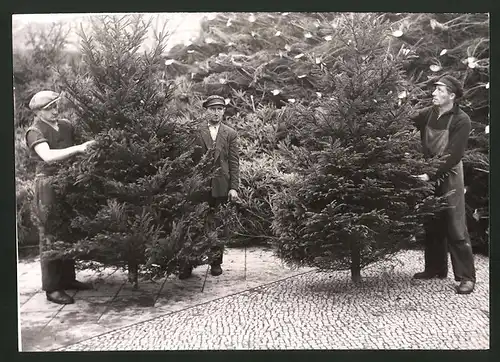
(133, 269)
(355, 262)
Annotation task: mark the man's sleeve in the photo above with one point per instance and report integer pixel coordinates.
(34, 137)
(234, 161)
(419, 117)
(456, 149)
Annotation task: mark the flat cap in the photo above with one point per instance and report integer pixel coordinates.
(214, 100)
(453, 85)
(43, 99)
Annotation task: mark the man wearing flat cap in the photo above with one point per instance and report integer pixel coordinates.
(221, 140)
(50, 141)
(444, 129)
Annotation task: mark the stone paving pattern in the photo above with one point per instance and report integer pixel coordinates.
(114, 303)
(284, 309)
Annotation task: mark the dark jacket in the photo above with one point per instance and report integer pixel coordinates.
(226, 155)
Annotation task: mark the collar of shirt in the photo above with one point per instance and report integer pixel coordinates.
(54, 125)
(214, 129)
(453, 110)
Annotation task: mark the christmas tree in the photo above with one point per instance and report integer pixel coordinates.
(354, 200)
(134, 200)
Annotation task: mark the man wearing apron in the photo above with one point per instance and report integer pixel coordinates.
(50, 140)
(444, 130)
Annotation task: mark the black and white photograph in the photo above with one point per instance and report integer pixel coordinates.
(252, 181)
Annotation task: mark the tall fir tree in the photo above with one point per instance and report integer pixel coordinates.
(134, 199)
(354, 200)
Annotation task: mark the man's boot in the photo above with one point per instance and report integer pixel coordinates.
(215, 269)
(185, 272)
(430, 275)
(59, 297)
(465, 287)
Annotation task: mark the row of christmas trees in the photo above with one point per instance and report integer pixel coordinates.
(339, 86)
(266, 63)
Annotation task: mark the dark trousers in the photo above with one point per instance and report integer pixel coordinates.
(213, 222)
(57, 273)
(437, 244)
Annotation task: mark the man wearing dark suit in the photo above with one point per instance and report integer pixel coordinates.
(220, 139)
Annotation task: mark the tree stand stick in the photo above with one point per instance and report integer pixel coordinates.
(205, 280)
(245, 271)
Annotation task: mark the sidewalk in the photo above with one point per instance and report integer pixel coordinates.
(274, 307)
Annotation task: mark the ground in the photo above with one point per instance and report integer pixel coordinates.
(268, 306)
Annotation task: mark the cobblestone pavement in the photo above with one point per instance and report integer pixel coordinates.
(324, 310)
(113, 303)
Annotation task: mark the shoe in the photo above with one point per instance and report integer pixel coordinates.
(465, 287)
(215, 270)
(430, 275)
(59, 297)
(185, 272)
(76, 285)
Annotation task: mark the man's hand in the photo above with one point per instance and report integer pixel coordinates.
(423, 177)
(84, 146)
(233, 195)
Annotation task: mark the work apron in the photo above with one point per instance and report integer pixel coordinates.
(448, 232)
(435, 143)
